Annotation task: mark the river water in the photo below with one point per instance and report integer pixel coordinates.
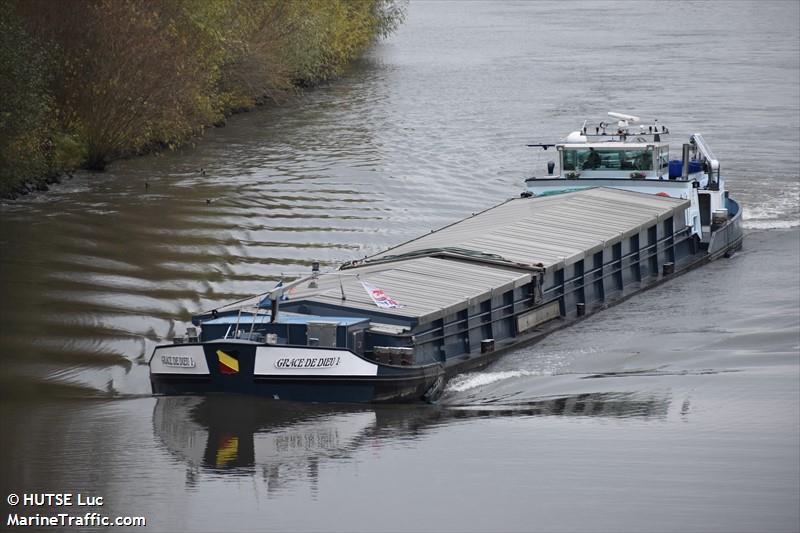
(678, 410)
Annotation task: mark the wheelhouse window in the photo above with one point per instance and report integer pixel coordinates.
(663, 160)
(605, 159)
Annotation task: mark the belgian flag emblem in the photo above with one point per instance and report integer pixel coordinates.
(228, 363)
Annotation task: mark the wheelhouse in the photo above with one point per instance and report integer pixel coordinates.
(615, 160)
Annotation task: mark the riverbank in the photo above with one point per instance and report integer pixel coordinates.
(89, 82)
(13, 190)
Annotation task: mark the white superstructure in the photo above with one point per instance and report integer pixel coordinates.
(631, 155)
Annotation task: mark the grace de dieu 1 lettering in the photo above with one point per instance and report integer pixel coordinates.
(307, 362)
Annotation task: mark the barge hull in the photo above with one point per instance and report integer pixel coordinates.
(285, 373)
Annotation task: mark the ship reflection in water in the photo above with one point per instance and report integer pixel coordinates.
(284, 441)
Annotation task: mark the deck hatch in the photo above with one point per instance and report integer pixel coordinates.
(551, 230)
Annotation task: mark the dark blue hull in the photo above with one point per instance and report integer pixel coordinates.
(388, 384)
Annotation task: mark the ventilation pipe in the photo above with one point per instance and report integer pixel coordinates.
(685, 168)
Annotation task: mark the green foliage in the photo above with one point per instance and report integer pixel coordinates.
(330, 33)
(69, 153)
(26, 105)
(87, 81)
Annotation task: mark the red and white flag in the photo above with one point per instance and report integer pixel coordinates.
(380, 298)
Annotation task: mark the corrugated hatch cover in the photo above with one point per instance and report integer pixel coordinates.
(553, 230)
(425, 287)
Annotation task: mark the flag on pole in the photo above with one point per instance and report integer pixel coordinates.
(266, 302)
(380, 298)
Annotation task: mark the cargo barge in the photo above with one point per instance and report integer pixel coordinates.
(620, 216)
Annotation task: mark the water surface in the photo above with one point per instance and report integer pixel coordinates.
(677, 410)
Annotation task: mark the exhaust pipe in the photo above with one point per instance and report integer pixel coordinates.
(685, 169)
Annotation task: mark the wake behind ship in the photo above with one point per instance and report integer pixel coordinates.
(621, 216)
